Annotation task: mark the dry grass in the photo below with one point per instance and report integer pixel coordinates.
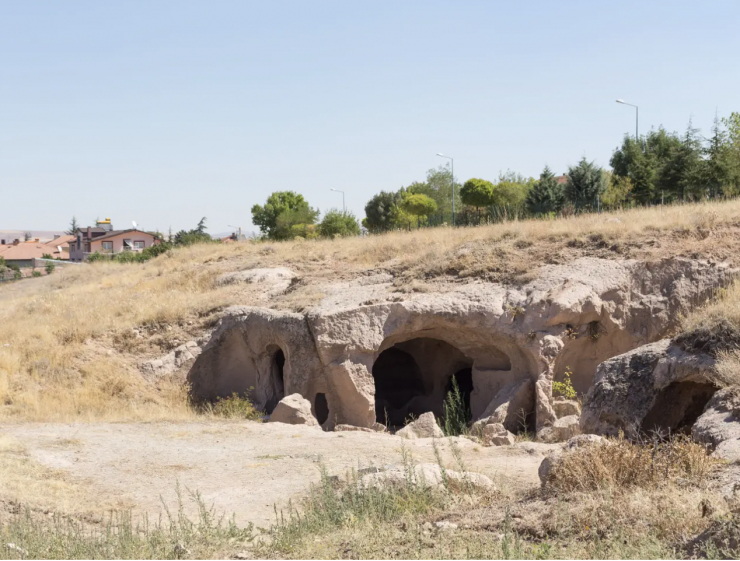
(70, 342)
(621, 464)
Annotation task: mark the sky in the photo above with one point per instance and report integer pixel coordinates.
(164, 112)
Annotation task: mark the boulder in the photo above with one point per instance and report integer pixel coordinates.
(294, 410)
(656, 387)
(574, 443)
(424, 427)
(566, 428)
(512, 404)
(565, 407)
(495, 434)
(584, 440)
(426, 475)
(544, 413)
(719, 424)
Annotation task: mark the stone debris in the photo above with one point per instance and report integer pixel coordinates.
(495, 434)
(294, 410)
(424, 427)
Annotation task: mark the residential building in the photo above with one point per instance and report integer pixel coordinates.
(22, 253)
(104, 239)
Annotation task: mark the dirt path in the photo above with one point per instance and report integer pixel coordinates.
(240, 467)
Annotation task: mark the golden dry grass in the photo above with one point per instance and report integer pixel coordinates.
(68, 349)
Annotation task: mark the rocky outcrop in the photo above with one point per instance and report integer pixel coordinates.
(294, 410)
(424, 427)
(719, 424)
(656, 387)
(512, 405)
(495, 434)
(565, 407)
(171, 362)
(367, 354)
(275, 280)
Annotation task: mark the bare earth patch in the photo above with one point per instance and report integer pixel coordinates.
(244, 468)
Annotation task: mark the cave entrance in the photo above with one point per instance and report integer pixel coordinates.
(412, 378)
(276, 382)
(677, 408)
(321, 408)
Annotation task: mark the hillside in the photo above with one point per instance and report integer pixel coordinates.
(71, 345)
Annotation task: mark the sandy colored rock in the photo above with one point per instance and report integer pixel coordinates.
(352, 428)
(424, 427)
(276, 280)
(566, 428)
(511, 405)
(565, 407)
(495, 434)
(294, 410)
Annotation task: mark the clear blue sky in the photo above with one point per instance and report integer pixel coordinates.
(167, 111)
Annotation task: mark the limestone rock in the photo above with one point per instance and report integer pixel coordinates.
(654, 387)
(546, 466)
(427, 475)
(582, 440)
(495, 434)
(171, 362)
(566, 428)
(573, 444)
(276, 280)
(719, 425)
(565, 407)
(544, 413)
(424, 427)
(512, 404)
(294, 410)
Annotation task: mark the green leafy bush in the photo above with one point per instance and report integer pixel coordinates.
(456, 413)
(564, 388)
(236, 407)
(49, 268)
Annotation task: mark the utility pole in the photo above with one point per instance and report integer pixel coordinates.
(637, 115)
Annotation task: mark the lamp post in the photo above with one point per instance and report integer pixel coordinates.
(344, 208)
(452, 169)
(637, 111)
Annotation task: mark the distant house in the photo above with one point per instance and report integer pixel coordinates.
(561, 179)
(104, 239)
(22, 254)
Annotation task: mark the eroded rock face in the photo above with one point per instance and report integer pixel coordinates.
(365, 354)
(656, 387)
(512, 405)
(719, 424)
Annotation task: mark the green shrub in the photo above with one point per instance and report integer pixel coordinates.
(236, 407)
(49, 268)
(336, 223)
(17, 274)
(36, 274)
(564, 388)
(456, 413)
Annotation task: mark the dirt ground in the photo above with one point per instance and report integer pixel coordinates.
(244, 468)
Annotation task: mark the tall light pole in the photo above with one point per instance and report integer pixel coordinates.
(452, 169)
(344, 208)
(637, 111)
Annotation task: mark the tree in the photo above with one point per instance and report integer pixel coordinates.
(546, 195)
(73, 227)
(477, 193)
(718, 171)
(338, 223)
(618, 191)
(190, 237)
(418, 205)
(381, 212)
(732, 124)
(585, 183)
(282, 213)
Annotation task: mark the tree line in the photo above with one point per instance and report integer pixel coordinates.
(659, 167)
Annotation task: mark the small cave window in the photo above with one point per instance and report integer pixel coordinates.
(677, 407)
(321, 408)
(276, 383)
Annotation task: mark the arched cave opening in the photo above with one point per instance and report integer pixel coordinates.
(321, 408)
(677, 407)
(276, 382)
(412, 378)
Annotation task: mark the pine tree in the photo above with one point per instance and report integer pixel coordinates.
(73, 227)
(586, 182)
(546, 195)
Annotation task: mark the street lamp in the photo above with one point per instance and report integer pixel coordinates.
(637, 111)
(344, 208)
(452, 169)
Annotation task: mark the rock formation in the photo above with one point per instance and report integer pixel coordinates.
(367, 354)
